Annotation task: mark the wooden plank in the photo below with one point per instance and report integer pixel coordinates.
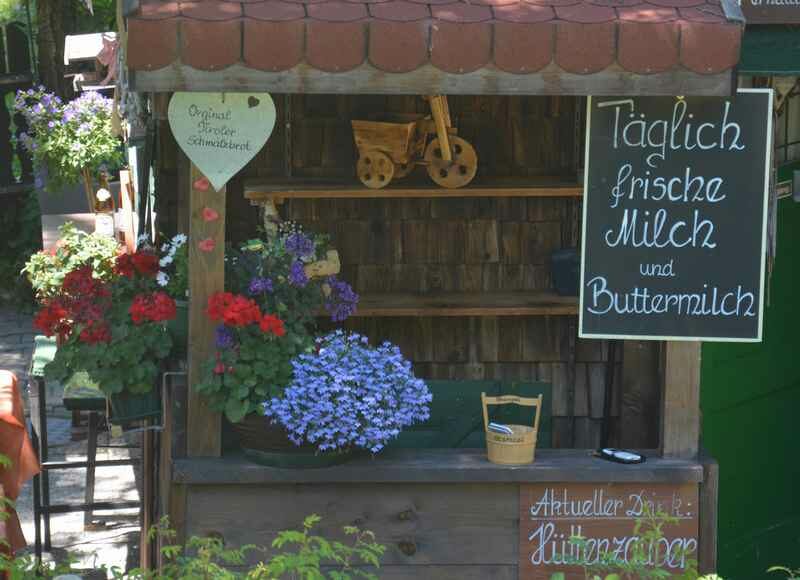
(680, 407)
(257, 190)
(640, 394)
(480, 521)
(439, 466)
(709, 515)
(429, 80)
(206, 276)
(472, 304)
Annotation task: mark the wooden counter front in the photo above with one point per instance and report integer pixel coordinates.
(442, 514)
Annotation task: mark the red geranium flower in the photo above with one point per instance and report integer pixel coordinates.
(146, 263)
(155, 307)
(95, 332)
(233, 309)
(52, 320)
(124, 266)
(272, 324)
(218, 303)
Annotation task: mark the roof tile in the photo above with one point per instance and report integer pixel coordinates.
(211, 45)
(523, 13)
(647, 13)
(336, 11)
(335, 46)
(274, 11)
(273, 46)
(710, 48)
(398, 46)
(648, 47)
(456, 36)
(399, 11)
(460, 48)
(211, 10)
(585, 48)
(156, 9)
(585, 14)
(152, 44)
(523, 48)
(460, 12)
(703, 14)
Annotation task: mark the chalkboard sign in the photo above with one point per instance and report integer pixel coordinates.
(604, 516)
(674, 217)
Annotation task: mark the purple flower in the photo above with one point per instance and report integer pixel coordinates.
(300, 245)
(350, 395)
(51, 124)
(225, 338)
(342, 301)
(297, 275)
(260, 286)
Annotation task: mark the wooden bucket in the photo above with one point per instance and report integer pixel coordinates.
(519, 448)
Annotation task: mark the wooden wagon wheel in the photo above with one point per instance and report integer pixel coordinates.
(456, 173)
(403, 169)
(375, 169)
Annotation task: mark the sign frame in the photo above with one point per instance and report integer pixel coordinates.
(770, 13)
(764, 220)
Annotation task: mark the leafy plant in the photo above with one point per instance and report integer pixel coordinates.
(252, 358)
(114, 331)
(75, 248)
(301, 555)
(68, 139)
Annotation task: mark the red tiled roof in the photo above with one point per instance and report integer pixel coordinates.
(398, 36)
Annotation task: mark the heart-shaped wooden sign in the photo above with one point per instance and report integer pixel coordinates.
(221, 132)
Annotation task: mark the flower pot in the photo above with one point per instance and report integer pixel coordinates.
(179, 327)
(268, 444)
(128, 407)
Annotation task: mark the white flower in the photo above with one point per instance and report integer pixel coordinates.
(165, 261)
(179, 240)
(143, 239)
(162, 279)
(165, 247)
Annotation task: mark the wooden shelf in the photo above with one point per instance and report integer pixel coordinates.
(472, 304)
(259, 190)
(441, 465)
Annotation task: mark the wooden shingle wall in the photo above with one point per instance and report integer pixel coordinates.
(453, 245)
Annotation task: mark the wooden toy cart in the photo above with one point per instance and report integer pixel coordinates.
(388, 150)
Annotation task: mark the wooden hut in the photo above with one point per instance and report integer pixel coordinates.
(459, 278)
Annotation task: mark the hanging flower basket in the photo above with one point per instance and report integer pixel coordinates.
(268, 444)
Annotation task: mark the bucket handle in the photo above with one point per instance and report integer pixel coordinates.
(511, 400)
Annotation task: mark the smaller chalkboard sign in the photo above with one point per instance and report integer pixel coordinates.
(674, 217)
(604, 517)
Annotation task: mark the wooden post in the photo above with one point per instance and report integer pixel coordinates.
(680, 404)
(206, 276)
(709, 494)
(640, 394)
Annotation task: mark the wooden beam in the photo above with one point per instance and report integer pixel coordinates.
(206, 276)
(709, 511)
(680, 404)
(259, 191)
(640, 394)
(429, 80)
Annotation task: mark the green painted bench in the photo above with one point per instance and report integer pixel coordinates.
(456, 420)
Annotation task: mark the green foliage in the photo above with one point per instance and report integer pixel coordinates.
(22, 234)
(76, 248)
(301, 555)
(257, 371)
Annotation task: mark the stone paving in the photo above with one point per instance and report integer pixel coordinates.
(113, 541)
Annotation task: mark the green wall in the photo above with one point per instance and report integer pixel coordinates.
(750, 397)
